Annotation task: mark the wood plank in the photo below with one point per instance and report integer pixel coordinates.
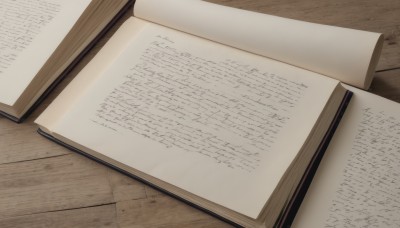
(137, 203)
(59, 183)
(102, 216)
(125, 188)
(387, 84)
(21, 143)
(163, 211)
(372, 15)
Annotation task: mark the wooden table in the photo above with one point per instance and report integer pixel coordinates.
(45, 185)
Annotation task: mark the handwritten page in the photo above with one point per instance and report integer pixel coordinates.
(358, 182)
(30, 31)
(21, 23)
(181, 100)
(169, 108)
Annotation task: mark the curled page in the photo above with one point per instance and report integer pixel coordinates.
(345, 54)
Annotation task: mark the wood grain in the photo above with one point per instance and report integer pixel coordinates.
(165, 212)
(45, 185)
(100, 216)
(387, 84)
(22, 143)
(52, 184)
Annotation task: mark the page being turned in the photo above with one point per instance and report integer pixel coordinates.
(29, 33)
(358, 181)
(345, 54)
(169, 108)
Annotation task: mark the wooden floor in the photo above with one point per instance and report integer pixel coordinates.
(45, 185)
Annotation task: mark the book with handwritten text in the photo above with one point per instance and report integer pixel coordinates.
(226, 109)
(357, 182)
(40, 41)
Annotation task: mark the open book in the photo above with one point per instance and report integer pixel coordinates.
(40, 41)
(225, 111)
(357, 182)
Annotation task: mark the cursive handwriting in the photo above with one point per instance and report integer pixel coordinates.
(21, 22)
(369, 194)
(228, 111)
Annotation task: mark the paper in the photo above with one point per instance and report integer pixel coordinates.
(347, 55)
(30, 31)
(357, 182)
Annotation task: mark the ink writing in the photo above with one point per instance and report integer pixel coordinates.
(227, 111)
(21, 22)
(369, 194)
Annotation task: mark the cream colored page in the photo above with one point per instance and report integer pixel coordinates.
(30, 31)
(357, 182)
(216, 125)
(340, 53)
(90, 73)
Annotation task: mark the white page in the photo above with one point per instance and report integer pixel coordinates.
(241, 185)
(93, 70)
(30, 31)
(340, 53)
(357, 183)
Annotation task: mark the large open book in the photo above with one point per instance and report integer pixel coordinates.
(226, 111)
(41, 40)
